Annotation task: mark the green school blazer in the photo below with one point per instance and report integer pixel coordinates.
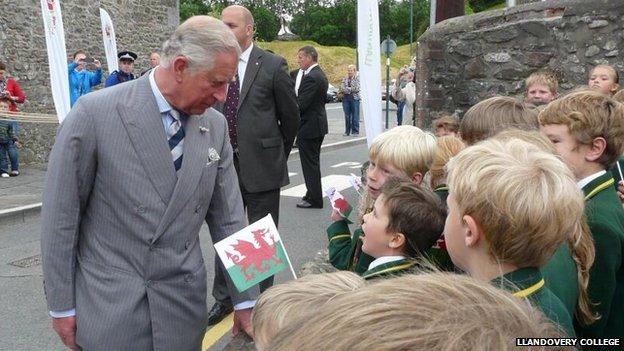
(345, 251)
(561, 278)
(390, 269)
(605, 217)
(529, 283)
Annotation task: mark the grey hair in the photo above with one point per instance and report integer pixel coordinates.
(200, 39)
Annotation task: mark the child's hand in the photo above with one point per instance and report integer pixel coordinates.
(620, 190)
(336, 216)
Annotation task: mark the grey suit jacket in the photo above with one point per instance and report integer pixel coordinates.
(267, 122)
(120, 229)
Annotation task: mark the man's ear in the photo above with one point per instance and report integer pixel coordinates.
(596, 149)
(416, 178)
(180, 65)
(473, 233)
(397, 240)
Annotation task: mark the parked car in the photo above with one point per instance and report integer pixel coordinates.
(332, 94)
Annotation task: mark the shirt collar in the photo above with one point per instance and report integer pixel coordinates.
(384, 259)
(310, 68)
(245, 55)
(583, 182)
(163, 105)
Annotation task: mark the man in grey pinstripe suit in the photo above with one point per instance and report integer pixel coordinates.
(123, 269)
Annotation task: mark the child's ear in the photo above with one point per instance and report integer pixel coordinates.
(473, 232)
(615, 88)
(417, 178)
(397, 241)
(596, 149)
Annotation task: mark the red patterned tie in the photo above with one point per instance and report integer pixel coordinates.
(230, 109)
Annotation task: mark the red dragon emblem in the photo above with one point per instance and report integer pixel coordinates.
(256, 254)
(341, 205)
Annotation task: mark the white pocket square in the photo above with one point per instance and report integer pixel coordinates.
(213, 156)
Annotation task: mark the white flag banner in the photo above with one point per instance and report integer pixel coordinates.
(110, 43)
(57, 56)
(369, 52)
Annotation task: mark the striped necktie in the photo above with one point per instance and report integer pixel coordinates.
(175, 137)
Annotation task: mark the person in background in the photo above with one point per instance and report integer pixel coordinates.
(82, 80)
(126, 67)
(350, 89)
(605, 79)
(8, 141)
(154, 61)
(541, 88)
(10, 89)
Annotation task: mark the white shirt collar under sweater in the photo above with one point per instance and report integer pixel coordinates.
(384, 259)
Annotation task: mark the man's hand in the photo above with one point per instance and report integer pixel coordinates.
(97, 63)
(242, 320)
(66, 329)
(620, 190)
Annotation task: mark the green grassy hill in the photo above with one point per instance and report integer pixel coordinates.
(335, 59)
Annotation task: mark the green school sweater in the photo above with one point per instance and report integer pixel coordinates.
(605, 217)
(390, 269)
(561, 278)
(438, 253)
(529, 283)
(345, 251)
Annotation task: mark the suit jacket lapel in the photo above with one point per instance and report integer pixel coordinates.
(196, 148)
(144, 125)
(253, 66)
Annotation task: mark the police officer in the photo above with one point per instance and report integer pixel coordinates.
(126, 66)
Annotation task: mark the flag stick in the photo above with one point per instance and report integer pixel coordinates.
(292, 270)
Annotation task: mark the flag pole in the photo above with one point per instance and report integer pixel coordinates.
(292, 270)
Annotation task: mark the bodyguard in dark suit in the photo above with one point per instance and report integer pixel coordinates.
(262, 114)
(311, 94)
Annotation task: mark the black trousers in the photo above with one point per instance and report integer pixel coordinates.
(257, 205)
(309, 154)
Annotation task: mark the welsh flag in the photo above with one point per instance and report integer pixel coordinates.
(253, 253)
(339, 202)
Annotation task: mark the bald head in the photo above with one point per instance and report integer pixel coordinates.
(241, 22)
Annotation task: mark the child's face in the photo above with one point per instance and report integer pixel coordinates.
(376, 176)
(441, 131)
(572, 153)
(376, 235)
(539, 94)
(454, 227)
(603, 80)
(4, 106)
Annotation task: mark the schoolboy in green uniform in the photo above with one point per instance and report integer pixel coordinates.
(587, 129)
(403, 151)
(509, 206)
(405, 221)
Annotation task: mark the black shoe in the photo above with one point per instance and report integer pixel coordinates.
(305, 204)
(218, 311)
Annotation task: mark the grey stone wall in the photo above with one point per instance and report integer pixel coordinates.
(464, 60)
(140, 26)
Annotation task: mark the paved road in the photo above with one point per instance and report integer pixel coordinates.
(25, 325)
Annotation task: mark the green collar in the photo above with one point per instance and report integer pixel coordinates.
(441, 187)
(394, 267)
(522, 282)
(597, 185)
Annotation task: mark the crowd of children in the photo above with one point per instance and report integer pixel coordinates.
(504, 225)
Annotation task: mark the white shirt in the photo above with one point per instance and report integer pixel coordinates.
(583, 182)
(300, 75)
(243, 59)
(384, 259)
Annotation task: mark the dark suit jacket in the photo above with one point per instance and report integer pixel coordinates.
(311, 98)
(267, 122)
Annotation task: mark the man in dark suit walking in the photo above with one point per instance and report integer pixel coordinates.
(263, 118)
(311, 84)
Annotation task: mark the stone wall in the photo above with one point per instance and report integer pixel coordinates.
(464, 60)
(140, 26)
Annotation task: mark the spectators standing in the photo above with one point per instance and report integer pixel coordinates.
(82, 80)
(8, 140)
(404, 90)
(350, 89)
(10, 89)
(154, 61)
(126, 67)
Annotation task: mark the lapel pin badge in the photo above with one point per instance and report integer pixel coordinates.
(203, 130)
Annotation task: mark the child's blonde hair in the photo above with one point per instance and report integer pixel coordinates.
(589, 115)
(522, 198)
(543, 78)
(619, 96)
(432, 311)
(448, 146)
(579, 240)
(407, 148)
(493, 115)
(284, 304)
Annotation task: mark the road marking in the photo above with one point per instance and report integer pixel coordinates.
(347, 164)
(333, 108)
(291, 174)
(338, 181)
(214, 334)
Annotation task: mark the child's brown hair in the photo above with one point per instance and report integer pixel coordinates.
(449, 123)
(414, 211)
(493, 115)
(448, 146)
(589, 115)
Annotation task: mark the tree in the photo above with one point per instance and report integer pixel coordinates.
(190, 8)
